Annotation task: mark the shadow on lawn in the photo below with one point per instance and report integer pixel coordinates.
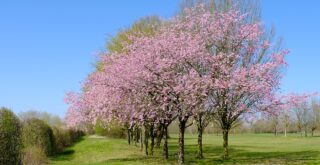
(67, 154)
(64, 156)
(213, 155)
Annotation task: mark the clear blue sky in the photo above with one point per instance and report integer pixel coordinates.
(48, 47)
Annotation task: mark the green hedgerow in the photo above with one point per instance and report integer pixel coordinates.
(10, 138)
(33, 155)
(62, 139)
(37, 133)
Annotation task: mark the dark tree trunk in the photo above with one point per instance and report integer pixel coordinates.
(182, 126)
(200, 151)
(129, 136)
(160, 134)
(134, 134)
(137, 135)
(225, 144)
(146, 137)
(152, 140)
(312, 132)
(165, 143)
(141, 140)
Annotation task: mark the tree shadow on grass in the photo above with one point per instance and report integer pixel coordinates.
(238, 155)
(131, 159)
(213, 155)
(185, 138)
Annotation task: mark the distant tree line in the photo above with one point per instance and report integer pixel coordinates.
(303, 119)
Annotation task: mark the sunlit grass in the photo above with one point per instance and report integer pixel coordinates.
(244, 149)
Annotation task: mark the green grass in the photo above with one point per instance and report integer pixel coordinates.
(244, 149)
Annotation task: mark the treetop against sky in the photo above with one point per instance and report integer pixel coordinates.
(47, 48)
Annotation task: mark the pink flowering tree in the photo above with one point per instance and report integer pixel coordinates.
(242, 78)
(76, 115)
(219, 58)
(207, 57)
(199, 63)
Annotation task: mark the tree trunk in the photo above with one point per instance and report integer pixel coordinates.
(160, 134)
(182, 126)
(129, 136)
(141, 140)
(285, 131)
(225, 144)
(165, 144)
(134, 134)
(200, 132)
(305, 132)
(137, 135)
(152, 140)
(146, 136)
(312, 132)
(200, 151)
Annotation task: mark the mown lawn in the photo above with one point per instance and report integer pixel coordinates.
(244, 149)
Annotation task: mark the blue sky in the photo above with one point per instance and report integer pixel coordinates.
(48, 47)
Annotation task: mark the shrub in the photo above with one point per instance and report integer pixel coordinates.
(10, 138)
(65, 137)
(75, 135)
(37, 133)
(52, 120)
(87, 127)
(112, 129)
(33, 155)
(62, 139)
(100, 129)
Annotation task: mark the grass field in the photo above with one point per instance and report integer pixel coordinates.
(244, 149)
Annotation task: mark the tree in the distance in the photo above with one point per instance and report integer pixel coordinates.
(286, 119)
(315, 116)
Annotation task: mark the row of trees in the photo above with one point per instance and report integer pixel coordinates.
(29, 140)
(280, 124)
(284, 122)
(204, 64)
